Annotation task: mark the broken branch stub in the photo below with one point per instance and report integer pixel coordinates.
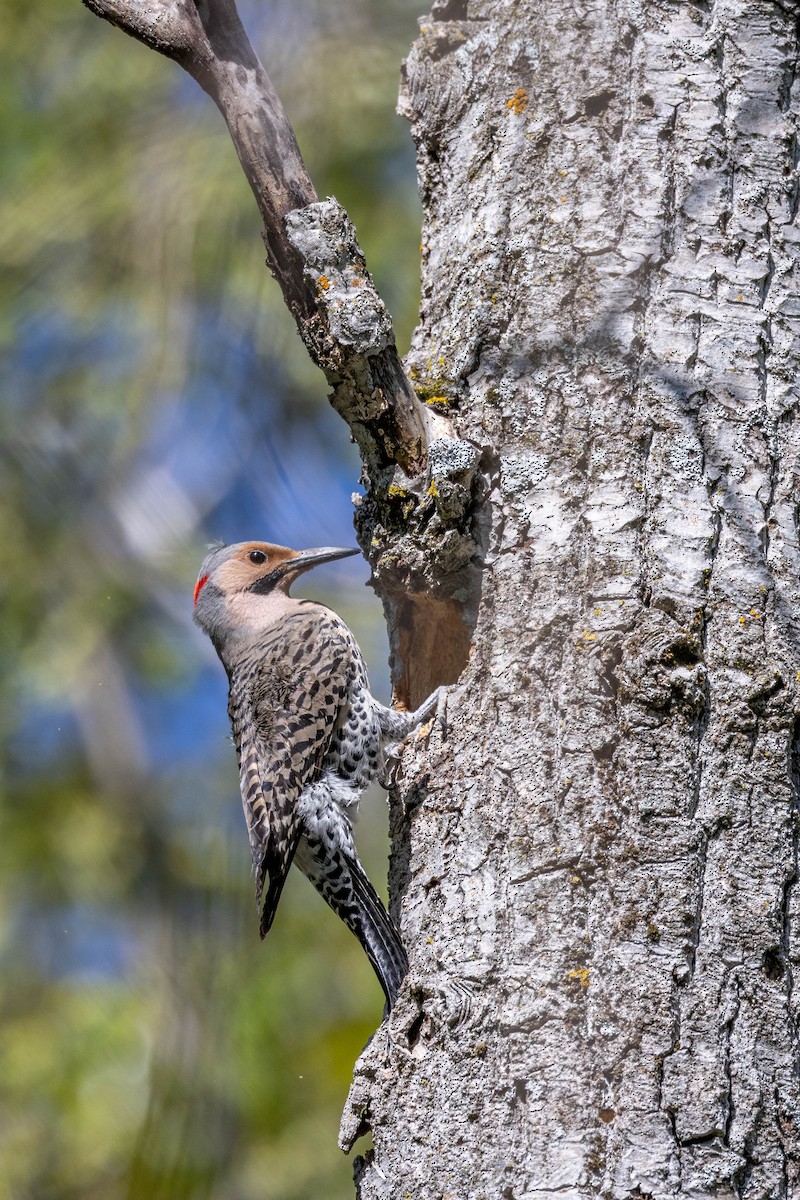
(309, 243)
(350, 336)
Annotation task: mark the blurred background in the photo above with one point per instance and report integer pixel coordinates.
(155, 395)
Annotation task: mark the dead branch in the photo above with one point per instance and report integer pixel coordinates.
(311, 245)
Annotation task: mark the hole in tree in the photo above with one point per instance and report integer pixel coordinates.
(431, 646)
(415, 1030)
(772, 963)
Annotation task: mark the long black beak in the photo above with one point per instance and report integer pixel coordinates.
(312, 558)
(295, 566)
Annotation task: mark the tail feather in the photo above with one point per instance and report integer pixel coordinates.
(341, 881)
(376, 932)
(272, 869)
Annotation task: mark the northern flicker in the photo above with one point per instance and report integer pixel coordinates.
(309, 735)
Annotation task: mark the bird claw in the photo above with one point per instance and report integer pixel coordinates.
(432, 712)
(391, 773)
(441, 710)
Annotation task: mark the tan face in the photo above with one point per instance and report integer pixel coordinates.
(242, 565)
(249, 562)
(252, 567)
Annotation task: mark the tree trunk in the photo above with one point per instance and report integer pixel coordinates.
(598, 877)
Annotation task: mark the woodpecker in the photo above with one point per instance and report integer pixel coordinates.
(309, 735)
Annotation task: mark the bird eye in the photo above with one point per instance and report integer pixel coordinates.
(257, 556)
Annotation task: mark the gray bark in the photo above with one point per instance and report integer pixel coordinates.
(598, 861)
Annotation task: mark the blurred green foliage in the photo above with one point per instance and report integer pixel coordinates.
(155, 394)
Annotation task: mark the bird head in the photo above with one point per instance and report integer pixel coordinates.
(234, 581)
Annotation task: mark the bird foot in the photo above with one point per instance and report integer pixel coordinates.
(432, 711)
(390, 777)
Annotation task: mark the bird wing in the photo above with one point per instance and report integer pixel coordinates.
(286, 700)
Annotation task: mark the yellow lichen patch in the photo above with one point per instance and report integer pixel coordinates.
(574, 878)
(323, 283)
(433, 392)
(589, 636)
(397, 493)
(582, 975)
(518, 102)
(433, 490)
(755, 614)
